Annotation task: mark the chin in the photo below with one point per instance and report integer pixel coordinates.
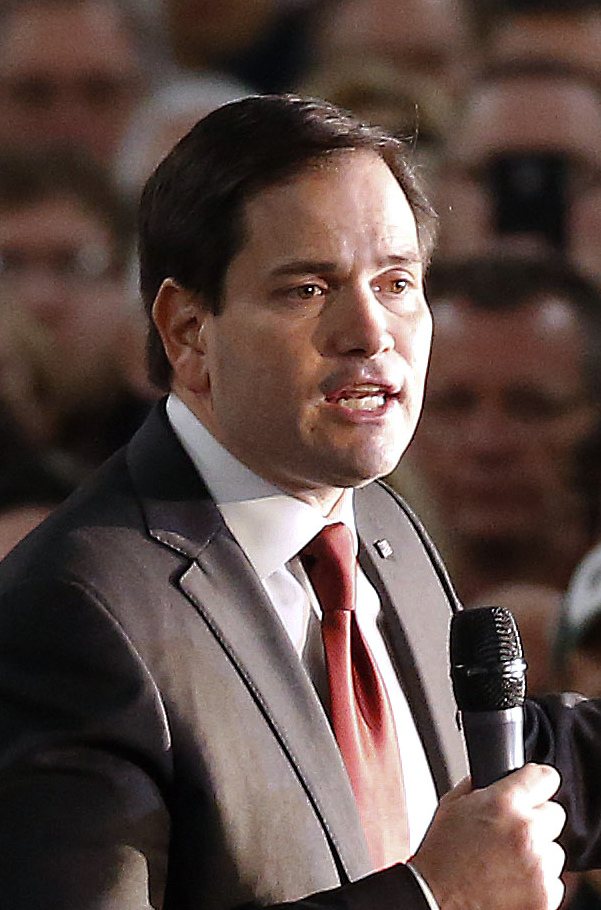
(360, 474)
(385, 463)
(348, 464)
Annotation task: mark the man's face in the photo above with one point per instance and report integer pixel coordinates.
(505, 408)
(68, 74)
(56, 267)
(316, 364)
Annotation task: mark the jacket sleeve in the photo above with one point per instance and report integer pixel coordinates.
(565, 731)
(83, 818)
(395, 888)
(86, 770)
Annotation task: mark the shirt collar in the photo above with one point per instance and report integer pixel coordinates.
(271, 526)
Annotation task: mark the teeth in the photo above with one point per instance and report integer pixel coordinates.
(367, 403)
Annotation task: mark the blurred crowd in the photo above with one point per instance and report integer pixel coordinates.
(500, 104)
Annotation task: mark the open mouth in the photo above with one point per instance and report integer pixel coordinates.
(363, 398)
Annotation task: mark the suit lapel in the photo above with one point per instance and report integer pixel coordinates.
(417, 608)
(228, 594)
(230, 598)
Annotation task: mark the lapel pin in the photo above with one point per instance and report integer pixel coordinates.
(384, 548)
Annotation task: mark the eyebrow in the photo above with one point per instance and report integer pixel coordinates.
(300, 266)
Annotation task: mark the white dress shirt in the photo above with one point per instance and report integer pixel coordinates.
(272, 527)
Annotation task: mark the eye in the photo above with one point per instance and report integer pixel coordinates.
(392, 284)
(303, 293)
(309, 291)
(399, 285)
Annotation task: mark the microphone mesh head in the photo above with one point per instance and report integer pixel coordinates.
(487, 661)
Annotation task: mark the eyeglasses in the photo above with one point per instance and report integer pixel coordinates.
(66, 264)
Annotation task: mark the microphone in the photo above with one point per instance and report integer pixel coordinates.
(489, 682)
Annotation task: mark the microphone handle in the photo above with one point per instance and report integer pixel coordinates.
(495, 743)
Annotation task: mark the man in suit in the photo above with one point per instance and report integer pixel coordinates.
(166, 738)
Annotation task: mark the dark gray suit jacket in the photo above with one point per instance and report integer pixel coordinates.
(160, 741)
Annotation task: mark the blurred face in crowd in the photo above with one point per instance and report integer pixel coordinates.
(68, 74)
(573, 38)
(555, 116)
(56, 265)
(505, 407)
(499, 116)
(423, 38)
(313, 372)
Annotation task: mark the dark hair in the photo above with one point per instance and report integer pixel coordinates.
(191, 213)
(28, 178)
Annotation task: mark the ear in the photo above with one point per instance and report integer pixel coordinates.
(180, 320)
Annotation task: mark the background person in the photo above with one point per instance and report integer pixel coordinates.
(511, 407)
(521, 166)
(66, 241)
(568, 31)
(71, 72)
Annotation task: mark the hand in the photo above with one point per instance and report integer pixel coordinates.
(495, 848)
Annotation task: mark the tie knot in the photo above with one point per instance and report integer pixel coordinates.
(329, 560)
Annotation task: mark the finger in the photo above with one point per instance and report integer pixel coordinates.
(548, 821)
(553, 861)
(530, 786)
(555, 892)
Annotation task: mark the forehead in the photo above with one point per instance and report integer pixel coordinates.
(541, 341)
(351, 200)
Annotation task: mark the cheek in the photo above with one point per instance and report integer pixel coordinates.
(261, 367)
(413, 341)
(426, 345)
(288, 360)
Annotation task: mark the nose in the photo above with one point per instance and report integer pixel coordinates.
(356, 323)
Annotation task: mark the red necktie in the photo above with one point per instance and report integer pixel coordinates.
(360, 712)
